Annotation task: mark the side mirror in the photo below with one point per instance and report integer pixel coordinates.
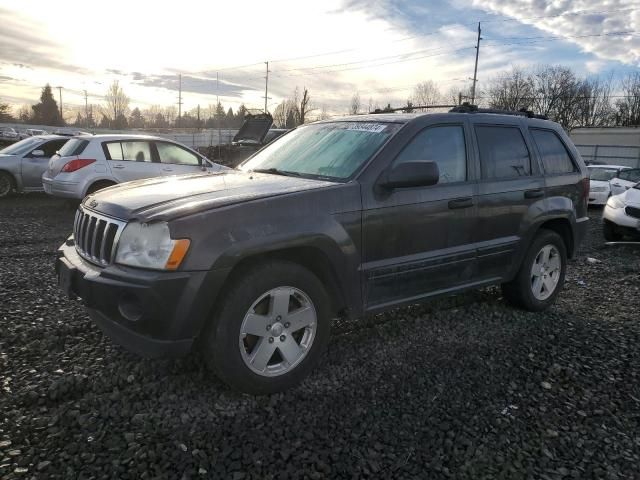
(416, 173)
(37, 153)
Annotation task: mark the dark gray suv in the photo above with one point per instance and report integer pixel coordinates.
(336, 218)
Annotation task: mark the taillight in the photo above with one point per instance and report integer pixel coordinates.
(77, 164)
(586, 184)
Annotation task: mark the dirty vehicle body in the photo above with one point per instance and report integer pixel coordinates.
(88, 163)
(334, 218)
(621, 215)
(23, 163)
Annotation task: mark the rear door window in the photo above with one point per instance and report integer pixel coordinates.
(503, 152)
(114, 150)
(136, 151)
(172, 153)
(555, 157)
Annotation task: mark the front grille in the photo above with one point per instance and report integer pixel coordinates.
(632, 212)
(96, 236)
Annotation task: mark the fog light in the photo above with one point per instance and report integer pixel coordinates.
(129, 307)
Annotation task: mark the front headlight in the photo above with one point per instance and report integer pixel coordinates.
(149, 245)
(615, 202)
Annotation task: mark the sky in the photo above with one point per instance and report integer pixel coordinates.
(379, 48)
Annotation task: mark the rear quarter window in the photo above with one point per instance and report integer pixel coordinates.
(555, 156)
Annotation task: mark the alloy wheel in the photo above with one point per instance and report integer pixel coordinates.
(545, 272)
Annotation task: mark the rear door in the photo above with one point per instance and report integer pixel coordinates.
(131, 160)
(511, 183)
(34, 166)
(176, 160)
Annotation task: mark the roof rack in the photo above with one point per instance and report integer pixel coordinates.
(409, 108)
(469, 108)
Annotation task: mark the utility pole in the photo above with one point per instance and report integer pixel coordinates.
(266, 87)
(475, 69)
(219, 119)
(60, 96)
(179, 99)
(86, 109)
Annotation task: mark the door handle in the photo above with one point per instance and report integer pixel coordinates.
(465, 202)
(119, 167)
(537, 193)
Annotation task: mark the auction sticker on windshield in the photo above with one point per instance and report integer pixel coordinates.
(366, 127)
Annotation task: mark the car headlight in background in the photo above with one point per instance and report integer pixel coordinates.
(615, 202)
(149, 245)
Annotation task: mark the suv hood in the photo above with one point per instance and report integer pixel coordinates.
(166, 198)
(254, 129)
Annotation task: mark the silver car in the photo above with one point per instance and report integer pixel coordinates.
(87, 164)
(23, 163)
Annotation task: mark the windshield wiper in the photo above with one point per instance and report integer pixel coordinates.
(275, 171)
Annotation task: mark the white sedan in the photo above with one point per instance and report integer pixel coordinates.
(625, 180)
(621, 215)
(599, 182)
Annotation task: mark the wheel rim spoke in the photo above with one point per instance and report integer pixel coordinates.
(262, 353)
(280, 302)
(545, 272)
(549, 284)
(290, 350)
(255, 324)
(554, 263)
(301, 318)
(537, 285)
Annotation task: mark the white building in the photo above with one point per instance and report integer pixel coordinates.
(612, 145)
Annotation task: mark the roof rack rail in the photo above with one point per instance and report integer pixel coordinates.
(469, 108)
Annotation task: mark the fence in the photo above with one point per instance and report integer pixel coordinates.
(611, 154)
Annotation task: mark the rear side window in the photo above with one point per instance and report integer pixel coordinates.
(115, 150)
(555, 157)
(134, 151)
(74, 146)
(503, 152)
(443, 145)
(632, 175)
(170, 153)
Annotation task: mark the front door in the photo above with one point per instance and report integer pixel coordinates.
(33, 166)
(131, 160)
(418, 241)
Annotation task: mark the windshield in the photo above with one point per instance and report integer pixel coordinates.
(21, 147)
(602, 174)
(325, 150)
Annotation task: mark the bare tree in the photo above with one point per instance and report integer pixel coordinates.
(511, 90)
(354, 107)
(305, 107)
(426, 93)
(117, 103)
(628, 107)
(594, 107)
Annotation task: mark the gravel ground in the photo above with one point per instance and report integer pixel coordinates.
(464, 387)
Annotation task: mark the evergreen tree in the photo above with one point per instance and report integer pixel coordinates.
(136, 120)
(46, 112)
(229, 121)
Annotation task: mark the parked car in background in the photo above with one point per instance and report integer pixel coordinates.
(600, 182)
(23, 163)
(621, 215)
(32, 132)
(624, 180)
(8, 133)
(336, 218)
(89, 163)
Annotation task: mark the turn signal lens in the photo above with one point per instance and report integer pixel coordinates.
(77, 164)
(177, 254)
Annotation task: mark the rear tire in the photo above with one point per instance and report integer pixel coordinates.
(541, 275)
(270, 328)
(610, 232)
(6, 184)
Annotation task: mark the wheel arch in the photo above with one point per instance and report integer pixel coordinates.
(96, 181)
(17, 185)
(562, 226)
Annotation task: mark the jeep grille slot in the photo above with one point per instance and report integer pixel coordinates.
(96, 236)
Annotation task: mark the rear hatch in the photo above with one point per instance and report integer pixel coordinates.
(69, 151)
(254, 129)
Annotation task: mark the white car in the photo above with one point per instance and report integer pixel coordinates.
(625, 180)
(89, 163)
(599, 182)
(621, 215)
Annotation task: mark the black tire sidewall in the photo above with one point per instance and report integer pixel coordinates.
(8, 177)
(525, 294)
(221, 341)
(609, 232)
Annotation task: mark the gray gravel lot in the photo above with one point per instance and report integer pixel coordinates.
(464, 387)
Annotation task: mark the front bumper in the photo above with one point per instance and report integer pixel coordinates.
(58, 188)
(619, 217)
(598, 198)
(153, 314)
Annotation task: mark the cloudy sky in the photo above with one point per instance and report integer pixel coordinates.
(380, 48)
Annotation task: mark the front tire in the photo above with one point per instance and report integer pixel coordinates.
(270, 328)
(541, 275)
